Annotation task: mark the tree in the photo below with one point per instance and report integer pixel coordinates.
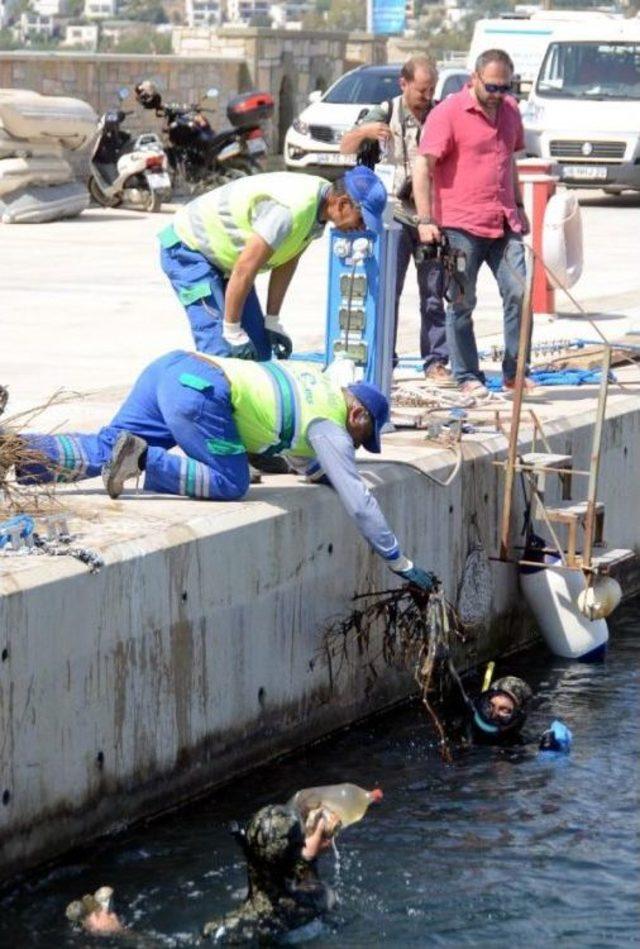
(347, 15)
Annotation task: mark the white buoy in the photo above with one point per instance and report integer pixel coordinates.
(552, 594)
(600, 599)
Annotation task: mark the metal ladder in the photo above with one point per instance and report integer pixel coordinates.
(583, 519)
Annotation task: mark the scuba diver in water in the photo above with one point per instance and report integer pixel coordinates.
(498, 715)
(285, 891)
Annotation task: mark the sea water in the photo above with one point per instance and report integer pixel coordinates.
(499, 849)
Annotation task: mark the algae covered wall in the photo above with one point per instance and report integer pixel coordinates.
(196, 654)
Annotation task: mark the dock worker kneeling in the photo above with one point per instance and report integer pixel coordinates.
(216, 410)
(218, 243)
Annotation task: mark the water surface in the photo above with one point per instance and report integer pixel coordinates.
(496, 850)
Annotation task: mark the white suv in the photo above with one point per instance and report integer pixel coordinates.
(312, 143)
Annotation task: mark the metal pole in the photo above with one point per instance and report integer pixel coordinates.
(526, 322)
(592, 491)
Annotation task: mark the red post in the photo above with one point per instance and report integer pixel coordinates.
(538, 184)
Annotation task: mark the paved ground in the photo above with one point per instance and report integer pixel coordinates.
(85, 306)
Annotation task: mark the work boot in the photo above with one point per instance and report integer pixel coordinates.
(124, 463)
(269, 464)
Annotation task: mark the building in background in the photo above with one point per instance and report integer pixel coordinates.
(81, 36)
(100, 9)
(247, 11)
(203, 12)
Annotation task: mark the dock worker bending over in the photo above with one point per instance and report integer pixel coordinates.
(218, 243)
(216, 410)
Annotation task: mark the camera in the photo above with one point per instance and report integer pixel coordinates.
(405, 191)
(452, 259)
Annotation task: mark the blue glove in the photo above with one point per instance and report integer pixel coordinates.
(557, 738)
(424, 579)
(244, 351)
(240, 346)
(281, 345)
(279, 341)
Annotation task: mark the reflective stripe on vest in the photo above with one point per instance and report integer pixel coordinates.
(273, 406)
(219, 224)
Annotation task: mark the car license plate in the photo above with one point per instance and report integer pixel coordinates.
(332, 158)
(585, 172)
(159, 179)
(256, 146)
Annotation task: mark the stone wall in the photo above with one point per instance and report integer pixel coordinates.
(288, 64)
(96, 78)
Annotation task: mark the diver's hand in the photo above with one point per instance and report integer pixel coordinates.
(317, 841)
(240, 346)
(280, 342)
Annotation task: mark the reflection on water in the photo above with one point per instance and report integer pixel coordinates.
(494, 850)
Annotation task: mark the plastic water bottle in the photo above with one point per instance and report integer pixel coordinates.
(347, 801)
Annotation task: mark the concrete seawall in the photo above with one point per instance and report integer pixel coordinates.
(186, 659)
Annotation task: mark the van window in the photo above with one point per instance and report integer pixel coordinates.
(591, 70)
(365, 87)
(454, 84)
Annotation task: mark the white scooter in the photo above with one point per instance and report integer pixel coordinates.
(129, 173)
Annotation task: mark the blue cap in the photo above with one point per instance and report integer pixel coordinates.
(377, 406)
(369, 195)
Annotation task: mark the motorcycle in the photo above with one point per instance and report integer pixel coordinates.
(199, 157)
(126, 172)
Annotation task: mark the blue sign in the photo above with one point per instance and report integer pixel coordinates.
(387, 16)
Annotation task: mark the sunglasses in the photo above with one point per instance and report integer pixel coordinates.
(494, 87)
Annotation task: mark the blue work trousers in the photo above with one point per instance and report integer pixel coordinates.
(505, 258)
(177, 400)
(201, 287)
(433, 336)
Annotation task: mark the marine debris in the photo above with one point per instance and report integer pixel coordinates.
(403, 628)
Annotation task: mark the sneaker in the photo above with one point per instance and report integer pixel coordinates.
(474, 389)
(529, 387)
(438, 375)
(124, 463)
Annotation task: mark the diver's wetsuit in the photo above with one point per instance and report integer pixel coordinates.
(285, 891)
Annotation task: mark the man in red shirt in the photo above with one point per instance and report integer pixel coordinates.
(465, 182)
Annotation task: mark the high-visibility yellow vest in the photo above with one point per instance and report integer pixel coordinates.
(273, 406)
(218, 224)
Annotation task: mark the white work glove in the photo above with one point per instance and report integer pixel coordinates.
(240, 345)
(279, 340)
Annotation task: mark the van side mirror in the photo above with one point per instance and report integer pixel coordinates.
(315, 96)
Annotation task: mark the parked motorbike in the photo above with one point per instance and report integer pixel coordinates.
(125, 172)
(199, 157)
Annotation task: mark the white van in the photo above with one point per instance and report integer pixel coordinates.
(525, 38)
(583, 111)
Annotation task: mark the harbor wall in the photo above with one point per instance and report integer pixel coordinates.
(197, 653)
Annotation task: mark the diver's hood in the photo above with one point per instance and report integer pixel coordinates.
(491, 728)
(272, 843)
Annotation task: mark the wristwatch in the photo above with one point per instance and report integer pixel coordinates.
(426, 220)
